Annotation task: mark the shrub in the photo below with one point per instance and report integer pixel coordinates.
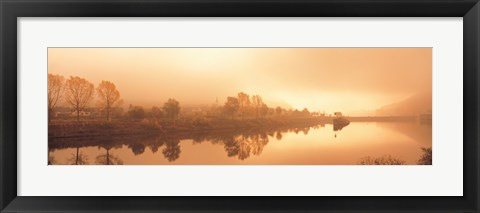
(426, 158)
(384, 160)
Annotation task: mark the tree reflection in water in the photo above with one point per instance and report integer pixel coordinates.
(51, 158)
(305, 130)
(244, 145)
(108, 159)
(156, 144)
(279, 136)
(241, 144)
(231, 147)
(172, 149)
(137, 148)
(78, 158)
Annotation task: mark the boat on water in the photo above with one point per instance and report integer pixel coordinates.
(339, 121)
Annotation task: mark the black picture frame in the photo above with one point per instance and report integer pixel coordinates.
(10, 10)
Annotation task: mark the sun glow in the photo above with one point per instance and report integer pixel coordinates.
(210, 59)
(320, 79)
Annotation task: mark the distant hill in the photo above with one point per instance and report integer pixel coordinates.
(276, 102)
(414, 105)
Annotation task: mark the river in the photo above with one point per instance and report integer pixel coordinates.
(315, 145)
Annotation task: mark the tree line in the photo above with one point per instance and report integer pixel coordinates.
(78, 92)
(245, 106)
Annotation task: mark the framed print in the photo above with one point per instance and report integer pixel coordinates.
(239, 106)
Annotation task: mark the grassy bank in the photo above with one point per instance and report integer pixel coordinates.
(67, 129)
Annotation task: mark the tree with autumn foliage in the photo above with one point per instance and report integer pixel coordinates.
(56, 85)
(109, 97)
(172, 109)
(79, 92)
(257, 104)
(231, 106)
(244, 103)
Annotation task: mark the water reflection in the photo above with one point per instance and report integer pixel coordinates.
(172, 149)
(51, 158)
(78, 158)
(242, 146)
(278, 136)
(108, 159)
(248, 146)
(338, 127)
(137, 148)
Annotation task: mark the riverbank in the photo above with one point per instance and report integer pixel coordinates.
(90, 128)
(72, 129)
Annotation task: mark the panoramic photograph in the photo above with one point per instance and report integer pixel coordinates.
(240, 106)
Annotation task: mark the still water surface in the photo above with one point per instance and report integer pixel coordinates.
(316, 145)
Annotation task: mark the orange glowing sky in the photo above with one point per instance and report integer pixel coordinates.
(352, 80)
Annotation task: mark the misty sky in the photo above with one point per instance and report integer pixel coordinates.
(350, 80)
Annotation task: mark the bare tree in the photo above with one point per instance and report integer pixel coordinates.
(56, 85)
(109, 97)
(79, 92)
